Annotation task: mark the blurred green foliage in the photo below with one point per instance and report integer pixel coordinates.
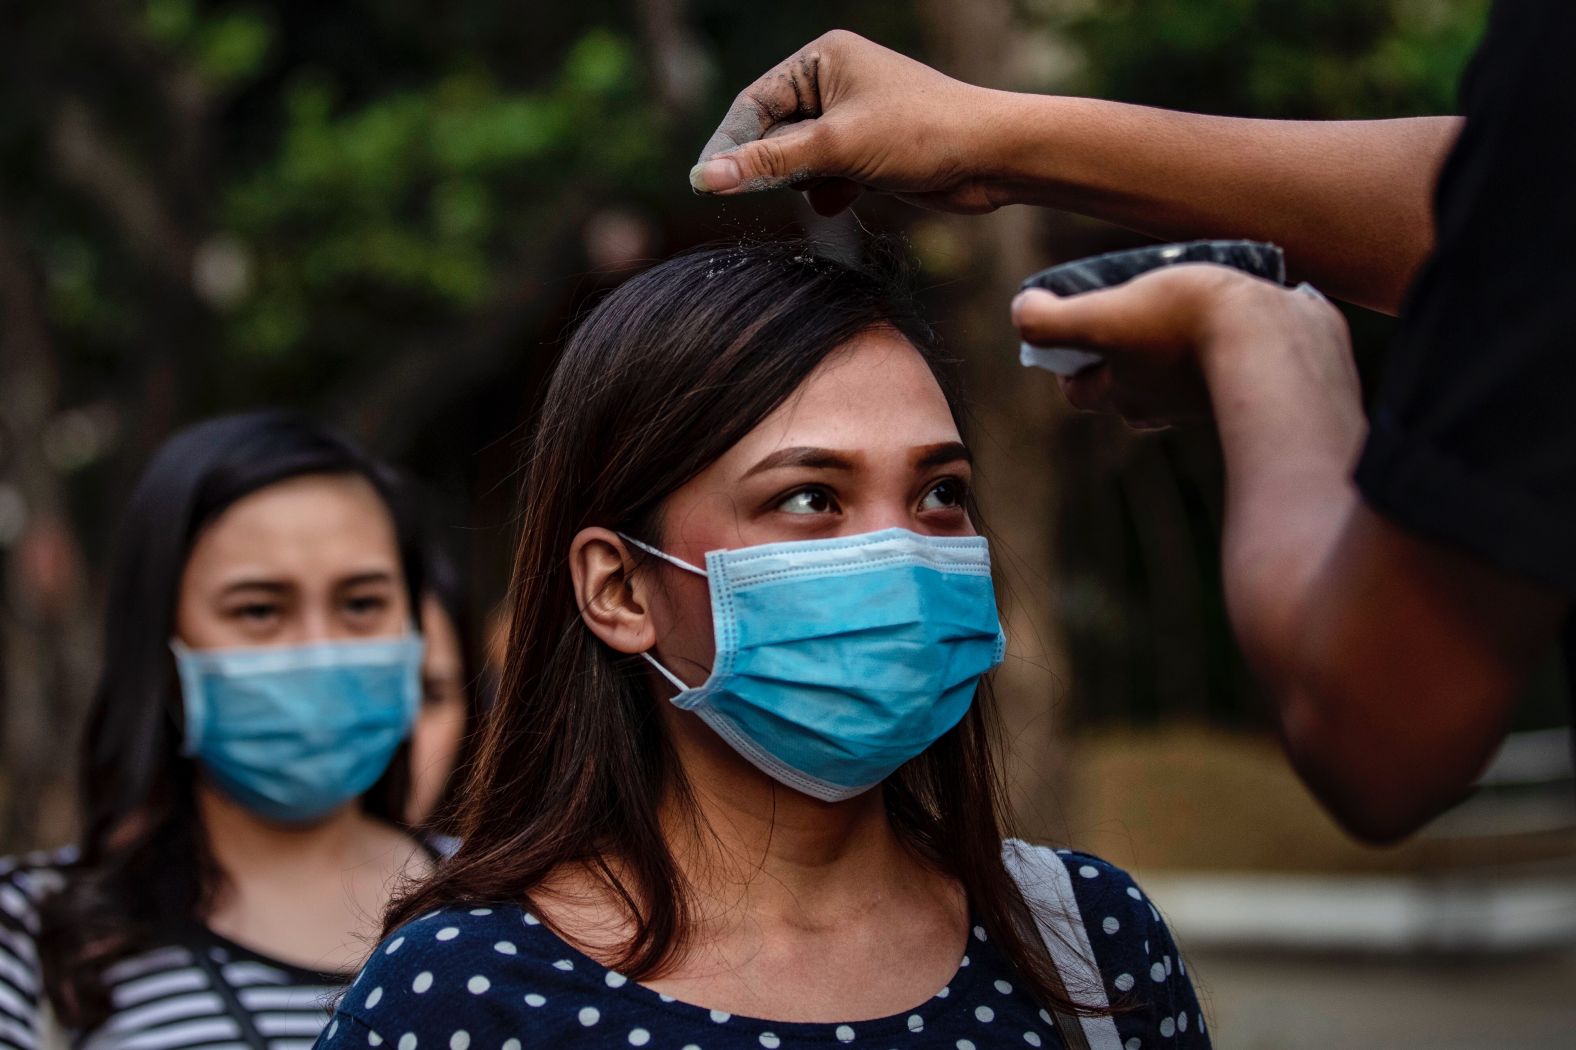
(418, 192)
(1301, 59)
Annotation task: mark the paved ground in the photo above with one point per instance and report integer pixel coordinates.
(1280, 1002)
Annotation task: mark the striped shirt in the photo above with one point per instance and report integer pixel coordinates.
(204, 991)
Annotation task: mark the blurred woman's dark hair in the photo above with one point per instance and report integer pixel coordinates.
(671, 370)
(445, 583)
(144, 871)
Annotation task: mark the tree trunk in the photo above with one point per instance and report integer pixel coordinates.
(42, 566)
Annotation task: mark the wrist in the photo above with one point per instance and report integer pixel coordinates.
(1282, 383)
(1010, 135)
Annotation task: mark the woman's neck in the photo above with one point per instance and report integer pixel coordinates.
(800, 909)
(243, 842)
(754, 849)
(312, 895)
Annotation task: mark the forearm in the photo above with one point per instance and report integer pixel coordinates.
(1392, 661)
(1289, 495)
(1290, 501)
(1350, 201)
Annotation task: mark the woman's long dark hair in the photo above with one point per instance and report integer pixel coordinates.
(145, 873)
(669, 372)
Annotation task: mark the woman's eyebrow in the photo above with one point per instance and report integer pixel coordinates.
(267, 586)
(804, 456)
(946, 452)
(370, 576)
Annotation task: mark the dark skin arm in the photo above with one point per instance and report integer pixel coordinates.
(1393, 661)
(1348, 200)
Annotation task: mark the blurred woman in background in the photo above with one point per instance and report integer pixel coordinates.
(243, 771)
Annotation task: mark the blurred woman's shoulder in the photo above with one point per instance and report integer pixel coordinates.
(25, 883)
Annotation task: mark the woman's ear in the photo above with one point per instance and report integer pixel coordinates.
(610, 603)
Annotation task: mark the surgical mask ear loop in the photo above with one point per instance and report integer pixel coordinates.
(664, 555)
(686, 566)
(669, 675)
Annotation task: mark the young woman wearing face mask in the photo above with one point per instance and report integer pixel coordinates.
(739, 789)
(243, 770)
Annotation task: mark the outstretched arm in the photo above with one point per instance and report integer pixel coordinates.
(1392, 660)
(1348, 200)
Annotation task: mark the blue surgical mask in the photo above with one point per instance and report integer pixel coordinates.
(294, 732)
(839, 660)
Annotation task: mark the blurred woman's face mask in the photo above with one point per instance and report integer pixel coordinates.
(294, 732)
(839, 660)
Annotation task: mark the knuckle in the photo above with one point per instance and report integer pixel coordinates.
(768, 158)
(824, 137)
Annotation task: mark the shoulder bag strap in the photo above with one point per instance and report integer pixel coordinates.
(1047, 887)
(232, 1002)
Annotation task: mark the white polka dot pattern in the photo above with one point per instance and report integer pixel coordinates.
(417, 987)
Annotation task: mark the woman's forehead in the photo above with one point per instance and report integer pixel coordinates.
(307, 523)
(876, 394)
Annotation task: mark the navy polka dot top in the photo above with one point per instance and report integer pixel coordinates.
(493, 977)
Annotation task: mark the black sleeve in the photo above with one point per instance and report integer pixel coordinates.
(1474, 429)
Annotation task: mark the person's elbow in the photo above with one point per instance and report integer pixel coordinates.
(1385, 757)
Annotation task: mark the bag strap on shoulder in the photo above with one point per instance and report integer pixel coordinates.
(1047, 887)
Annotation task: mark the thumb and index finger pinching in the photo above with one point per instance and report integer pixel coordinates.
(756, 146)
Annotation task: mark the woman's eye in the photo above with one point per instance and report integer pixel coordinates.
(808, 501)
(256, 614)
(944, 496)
(368, 605)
